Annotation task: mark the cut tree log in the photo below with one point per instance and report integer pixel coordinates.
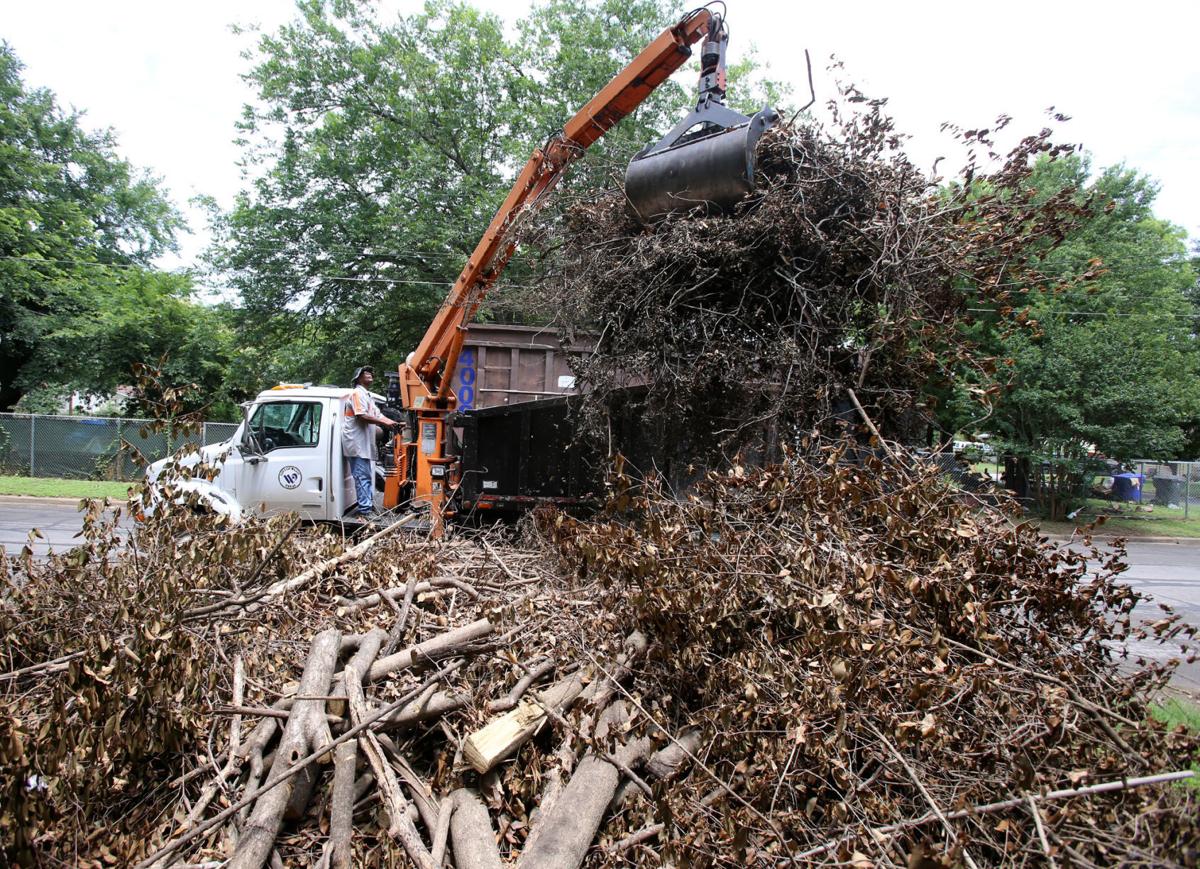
(439, 646)
(254, 794)
(472, 834)
(302, 791)
(556, 780)
(397, 631)
(254, 748)
(441, 833)
(424, 587)
(258, 837)
(510, 700)
(420, 793)
(668, 761)
(367, 648)
(341, 806)
(664, 765)
(364, 657)
(502, 736)
(600, 692)
(400, 825)
(426, 709)
(569, 828)
(457, 641)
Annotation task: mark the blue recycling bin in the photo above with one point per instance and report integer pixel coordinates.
(1128, 487)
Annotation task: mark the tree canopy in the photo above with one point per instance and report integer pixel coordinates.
(1103, 355)
(79, 230)
(1112, 361)
(379, 151)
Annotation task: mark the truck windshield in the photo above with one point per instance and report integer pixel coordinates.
(287, 424)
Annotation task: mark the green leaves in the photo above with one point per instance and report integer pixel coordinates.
(76, 221)
(381, 148)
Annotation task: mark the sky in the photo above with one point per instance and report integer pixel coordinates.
(166, 76)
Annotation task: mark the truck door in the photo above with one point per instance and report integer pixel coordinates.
(292, 472)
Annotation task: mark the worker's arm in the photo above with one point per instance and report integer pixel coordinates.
(362, 410)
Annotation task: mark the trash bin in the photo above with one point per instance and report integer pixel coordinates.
(1169, 489)
(1127, 487)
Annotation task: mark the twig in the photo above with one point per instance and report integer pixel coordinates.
(235, 736)
(633, 839)
(262, 565)
(400, 826)
(990, 808)
(264, 712)
(1096, 710)
(46, 666)
(500, 561)
(812, 92)
(950, 831)
(1041, 831)
(633, 777)
(178, 842)
(299, 579)
(397, 630)
(866, 419)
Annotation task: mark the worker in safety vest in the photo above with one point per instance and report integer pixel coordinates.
(360, 415)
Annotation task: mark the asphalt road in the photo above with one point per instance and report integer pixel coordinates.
(57, 519)
(1169, 572)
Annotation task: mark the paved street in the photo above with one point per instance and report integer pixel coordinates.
(1171, 573)
(58, 520)
(1168, 571)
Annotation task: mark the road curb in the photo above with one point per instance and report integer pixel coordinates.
(1109, 538)
(37, 499)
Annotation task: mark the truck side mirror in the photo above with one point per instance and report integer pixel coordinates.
(250, 442)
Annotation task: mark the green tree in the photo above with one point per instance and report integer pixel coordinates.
(142, 316)
(76, 221)
(379, 152)
(1109, 362)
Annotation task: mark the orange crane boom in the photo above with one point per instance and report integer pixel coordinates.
(426, 377)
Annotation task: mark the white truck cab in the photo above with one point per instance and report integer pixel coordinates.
(285, 456)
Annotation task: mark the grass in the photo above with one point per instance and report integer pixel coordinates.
(1120, 519)
(1174, 712)
(1127, 520)
(987, 469)
(49, 487)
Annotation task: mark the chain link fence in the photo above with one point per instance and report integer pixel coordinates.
(1175, 485)
(90, 447)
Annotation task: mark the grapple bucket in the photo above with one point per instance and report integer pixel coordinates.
(712, 171)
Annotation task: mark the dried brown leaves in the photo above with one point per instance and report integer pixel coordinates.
(861, 645)
(855, 643)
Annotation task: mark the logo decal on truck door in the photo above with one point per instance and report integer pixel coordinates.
(290, 477)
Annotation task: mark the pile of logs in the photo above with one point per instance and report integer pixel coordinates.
(331, 750)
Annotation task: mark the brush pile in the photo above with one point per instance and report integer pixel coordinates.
(830, 661)
(849, 270)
